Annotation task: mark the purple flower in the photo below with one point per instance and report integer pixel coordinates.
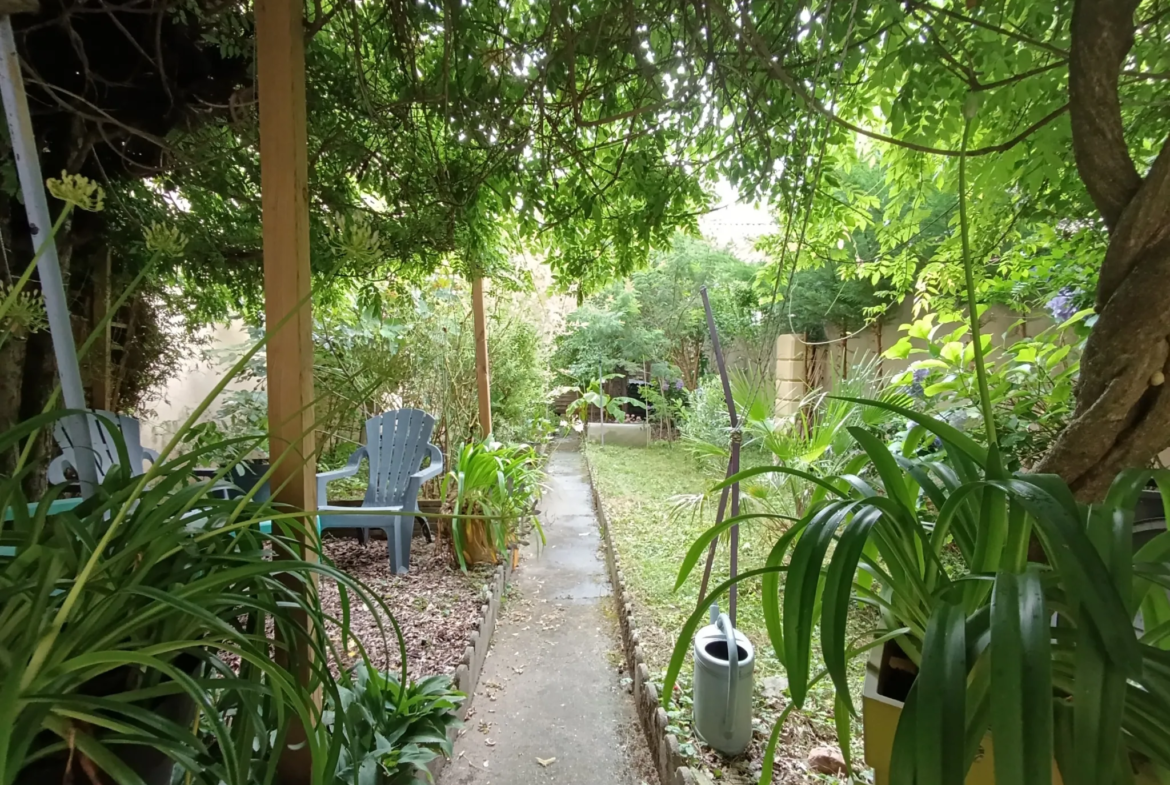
(1062, 306)
(678, 385)
(918, 376)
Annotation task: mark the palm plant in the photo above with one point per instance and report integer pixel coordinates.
(495, 489)
(814, 438)
(1031, 637)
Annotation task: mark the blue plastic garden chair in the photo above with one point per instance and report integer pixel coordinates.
(104, 447)
(397, 442)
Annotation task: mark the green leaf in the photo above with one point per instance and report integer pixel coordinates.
(800, 592)
(940, 739)
(770, 747)
(949, 434)
(1084, 573)
(844, 726)
(1021, 680)
(835, 605)
(695, 551)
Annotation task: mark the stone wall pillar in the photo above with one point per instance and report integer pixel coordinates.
(791, 385)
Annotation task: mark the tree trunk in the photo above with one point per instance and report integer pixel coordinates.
(37, 384)
(1122, 417)
(12, 355)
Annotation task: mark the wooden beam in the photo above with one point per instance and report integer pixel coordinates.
(284, 181)
(8, 7)
(99, 379)
(483, 377)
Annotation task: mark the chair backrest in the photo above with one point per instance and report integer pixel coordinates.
(104, 446)
(396, 442)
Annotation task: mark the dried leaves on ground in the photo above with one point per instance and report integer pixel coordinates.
(436, 605)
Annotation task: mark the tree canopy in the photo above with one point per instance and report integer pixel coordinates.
(657, 319)
(589, 130)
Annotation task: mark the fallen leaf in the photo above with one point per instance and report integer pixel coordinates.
(546, 762)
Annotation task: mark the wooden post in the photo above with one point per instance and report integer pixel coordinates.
(284, 181)
(483, 377)
(100, 391)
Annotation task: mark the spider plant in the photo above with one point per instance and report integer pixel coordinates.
(1036, 645)
(495, 489)
(151, 626)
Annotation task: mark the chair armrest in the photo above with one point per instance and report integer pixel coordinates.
(150, 455)
(410, 497)
(57, 470)
(349, 470)
(432, 471)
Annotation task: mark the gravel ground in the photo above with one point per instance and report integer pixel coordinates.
(435, 604)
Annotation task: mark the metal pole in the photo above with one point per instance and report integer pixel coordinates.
(733, 464)
(32, 185)
(601, 399)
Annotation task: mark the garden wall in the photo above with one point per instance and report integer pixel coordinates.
(801, 366)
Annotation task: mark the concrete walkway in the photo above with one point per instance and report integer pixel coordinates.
(551, 707)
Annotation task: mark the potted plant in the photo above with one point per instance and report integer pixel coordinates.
(495, 488)
(1034, 648)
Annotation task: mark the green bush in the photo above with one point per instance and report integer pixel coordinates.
(391, 731)
(704, 419)
(1030, 380)
(142, 622)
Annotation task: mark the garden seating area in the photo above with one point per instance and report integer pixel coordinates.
(607, 392)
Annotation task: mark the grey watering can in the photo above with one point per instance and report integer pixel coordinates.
(723, 688)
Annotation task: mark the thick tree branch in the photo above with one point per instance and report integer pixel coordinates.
(1102, 35)
(1144, 225)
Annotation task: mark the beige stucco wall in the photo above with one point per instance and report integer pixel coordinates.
(192, 385)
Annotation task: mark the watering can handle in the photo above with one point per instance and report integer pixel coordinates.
(724, 623)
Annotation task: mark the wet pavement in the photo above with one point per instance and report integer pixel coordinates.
(551, 706)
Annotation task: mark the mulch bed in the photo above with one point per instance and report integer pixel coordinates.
(436, 605)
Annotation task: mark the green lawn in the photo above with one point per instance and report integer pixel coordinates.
(640, 489)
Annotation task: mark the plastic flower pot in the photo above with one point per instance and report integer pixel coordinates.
(888, 676)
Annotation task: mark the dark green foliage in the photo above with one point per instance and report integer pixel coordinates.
(156, 591)
(390, 732)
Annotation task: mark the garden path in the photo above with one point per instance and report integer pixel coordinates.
(550, 707)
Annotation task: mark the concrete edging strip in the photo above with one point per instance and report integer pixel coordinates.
(664, 746)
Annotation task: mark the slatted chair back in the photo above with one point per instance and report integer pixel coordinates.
(396, 443)
(105, 447)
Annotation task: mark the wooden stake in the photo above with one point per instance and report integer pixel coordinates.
(100, 392)
(284, 181)
(483, 380)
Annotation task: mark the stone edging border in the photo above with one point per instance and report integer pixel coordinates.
(475, 654)
(664, 746)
